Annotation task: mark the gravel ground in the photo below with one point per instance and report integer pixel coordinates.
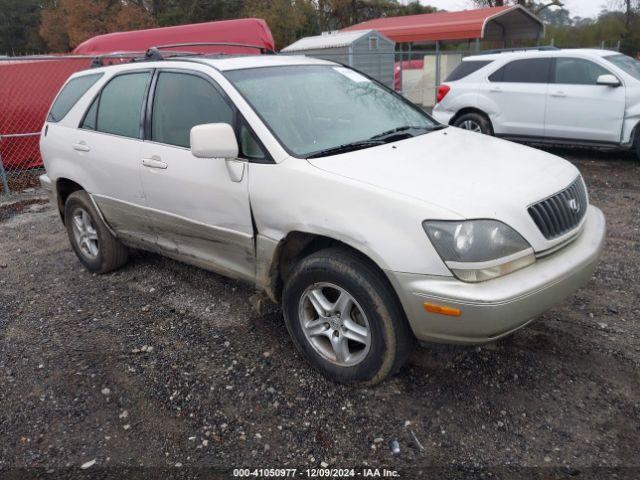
(165, 365)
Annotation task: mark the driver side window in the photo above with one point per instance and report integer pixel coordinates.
(182, 101)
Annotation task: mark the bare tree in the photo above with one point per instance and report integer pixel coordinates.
(544, 6)
(531, 5)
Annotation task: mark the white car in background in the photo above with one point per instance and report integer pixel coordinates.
(578, 97)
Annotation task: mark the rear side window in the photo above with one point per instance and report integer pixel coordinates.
(466, 68)
(578, 71)
(530, 70)
(70, 94)
(181, 102)
(91, 117)
(118, 109)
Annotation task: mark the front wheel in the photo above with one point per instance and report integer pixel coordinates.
(345, 319)
(474, 122)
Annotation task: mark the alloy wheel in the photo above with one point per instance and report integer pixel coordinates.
(334, 324)
(85, 234)
(471, 126)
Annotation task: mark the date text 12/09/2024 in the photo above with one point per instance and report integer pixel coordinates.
(316, 473)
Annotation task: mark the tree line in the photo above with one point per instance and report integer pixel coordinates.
(618, 25)
(36, 26)
(42, 26)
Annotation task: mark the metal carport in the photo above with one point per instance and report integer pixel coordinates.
(495, 24)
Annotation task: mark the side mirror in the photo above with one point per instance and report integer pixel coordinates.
(214, 140)
(608, 80)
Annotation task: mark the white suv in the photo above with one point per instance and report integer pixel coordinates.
(576, 97)
(370, 223)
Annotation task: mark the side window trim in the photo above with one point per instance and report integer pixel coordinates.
(147, 127)
(98, 96)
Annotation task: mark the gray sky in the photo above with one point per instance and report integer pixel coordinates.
(582, 8)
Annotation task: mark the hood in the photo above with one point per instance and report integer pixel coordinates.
(474, 175)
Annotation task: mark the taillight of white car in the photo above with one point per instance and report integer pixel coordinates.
(442, 92)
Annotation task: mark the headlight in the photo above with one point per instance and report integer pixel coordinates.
(478, 250)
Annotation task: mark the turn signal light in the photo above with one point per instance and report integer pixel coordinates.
(442, 309)
(442, 92)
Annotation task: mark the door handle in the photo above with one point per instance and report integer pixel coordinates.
(559, 93)
(154, 162)
(495, 89)
(81, 147)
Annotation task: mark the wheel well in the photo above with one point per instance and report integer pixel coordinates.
(296, 246)
(466, 110)
(64, 188)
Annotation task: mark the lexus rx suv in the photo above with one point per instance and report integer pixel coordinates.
(579, 97)
(369, 222)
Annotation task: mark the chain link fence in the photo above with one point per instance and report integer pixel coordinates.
(28, 86)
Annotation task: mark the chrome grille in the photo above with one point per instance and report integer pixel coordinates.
(561, 212)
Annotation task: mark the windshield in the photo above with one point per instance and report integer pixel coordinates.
(628, 64)
(316, 108)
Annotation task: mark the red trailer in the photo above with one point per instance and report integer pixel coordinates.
(27, 88)
(250, 31)
(29, 85)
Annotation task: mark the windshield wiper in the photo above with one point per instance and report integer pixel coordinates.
(393, 133)
(347, 147)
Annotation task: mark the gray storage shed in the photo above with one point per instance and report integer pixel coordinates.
(365, 50)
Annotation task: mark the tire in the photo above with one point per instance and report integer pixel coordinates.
(91, 240)
(380, 342)
(475, 122)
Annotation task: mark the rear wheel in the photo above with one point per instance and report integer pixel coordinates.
(345, 319)
(474, 122)
(93, 243)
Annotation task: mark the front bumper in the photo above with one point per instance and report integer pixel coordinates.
(500, 306)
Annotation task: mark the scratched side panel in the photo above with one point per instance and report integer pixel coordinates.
(228, 252)
(128, 221)
(220, 250)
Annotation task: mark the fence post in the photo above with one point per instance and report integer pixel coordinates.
(3, 175)
(401, 69)
(437, 79)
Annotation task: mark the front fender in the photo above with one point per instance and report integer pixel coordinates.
(295, 196)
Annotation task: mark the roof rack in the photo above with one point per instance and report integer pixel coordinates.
(263, 50)
(150, 55)
(155, 54)
(97, 61)
(540, 48)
